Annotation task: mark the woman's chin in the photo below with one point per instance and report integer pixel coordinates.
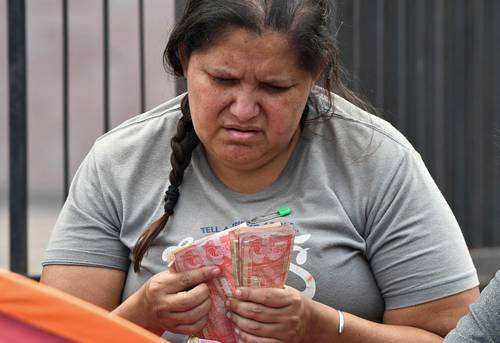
(239, 158)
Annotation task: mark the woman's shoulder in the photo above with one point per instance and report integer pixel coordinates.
(166, 113)
(143, 130)
(356, 135)
(356, 122)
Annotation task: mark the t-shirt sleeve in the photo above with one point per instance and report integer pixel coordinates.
(87, 231)
(414, 244)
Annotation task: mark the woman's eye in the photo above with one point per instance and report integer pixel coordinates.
(276, 89)
(224, 80)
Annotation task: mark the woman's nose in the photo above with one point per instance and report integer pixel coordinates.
(245, 106)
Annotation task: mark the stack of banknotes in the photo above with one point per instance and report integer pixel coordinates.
(248, 256)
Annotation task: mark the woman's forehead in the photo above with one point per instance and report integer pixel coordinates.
(240, 47)
(238, 35)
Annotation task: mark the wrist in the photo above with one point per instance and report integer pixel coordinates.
(136, 309)
(324, 323)
(313, 318)
(315, 323)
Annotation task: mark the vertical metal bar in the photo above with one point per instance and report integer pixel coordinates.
(449, 103)
(483, 129)
(142, 73)
(469, 125)
(344, 36)
(390, 61)
(438, 71)
(487, 147)
(420, 77)
(429, 116)
(475, 125)
(401, 66)
(180, 83)
(367, 49)
(356, 45)
(379, 89)
(458, 102)
(105, 27)
(18, 137)
(496, 122)
(65, 44)
(411, 76)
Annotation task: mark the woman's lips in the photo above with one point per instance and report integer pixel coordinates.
(242, 134)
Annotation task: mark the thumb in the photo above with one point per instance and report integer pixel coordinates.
(188, 279)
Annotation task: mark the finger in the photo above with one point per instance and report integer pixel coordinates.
(187, 300)
(185, 280)
(253, 327)
(188, 317)
(245, 337)
(191, 329)
(256, 311)
(270, 297)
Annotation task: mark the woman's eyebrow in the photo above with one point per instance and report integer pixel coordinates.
(220, 71)
(225, 72)
(280, 81)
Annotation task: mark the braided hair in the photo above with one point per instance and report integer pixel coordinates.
(183, 144)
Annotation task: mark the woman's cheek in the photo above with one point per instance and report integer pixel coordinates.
(283, 120)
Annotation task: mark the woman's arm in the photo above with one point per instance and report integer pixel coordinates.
(177, 302)
(273, 315)
(99, 286)
(439, 316)
(421, 323)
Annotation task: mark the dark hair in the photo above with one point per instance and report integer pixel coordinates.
(183, 144)
(304, 22)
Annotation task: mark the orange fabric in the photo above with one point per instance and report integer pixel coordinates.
(62, 314)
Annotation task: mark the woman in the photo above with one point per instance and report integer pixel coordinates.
(380, 255)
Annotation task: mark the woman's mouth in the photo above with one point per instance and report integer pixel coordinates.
(241, 133)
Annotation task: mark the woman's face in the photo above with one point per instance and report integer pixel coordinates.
(247, 93)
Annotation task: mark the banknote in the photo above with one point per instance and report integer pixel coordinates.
(264, 255)
(212, 250)
(255, 256)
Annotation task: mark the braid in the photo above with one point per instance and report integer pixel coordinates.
(183, 144)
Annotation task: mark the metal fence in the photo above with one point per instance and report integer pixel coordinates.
(431, 67)
(428, 66)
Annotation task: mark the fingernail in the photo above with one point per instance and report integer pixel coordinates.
(237, 293)
(215, 271)
(228, 303)
(236, 331)
(228, 314)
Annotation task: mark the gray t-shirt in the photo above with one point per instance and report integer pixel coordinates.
(482, 324)
(374, 231)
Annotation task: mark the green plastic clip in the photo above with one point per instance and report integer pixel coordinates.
(284, 211)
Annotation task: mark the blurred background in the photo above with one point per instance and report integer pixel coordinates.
(86, 104)
(428, 66)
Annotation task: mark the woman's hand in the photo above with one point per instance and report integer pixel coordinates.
(271, 315)
(176, 302)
